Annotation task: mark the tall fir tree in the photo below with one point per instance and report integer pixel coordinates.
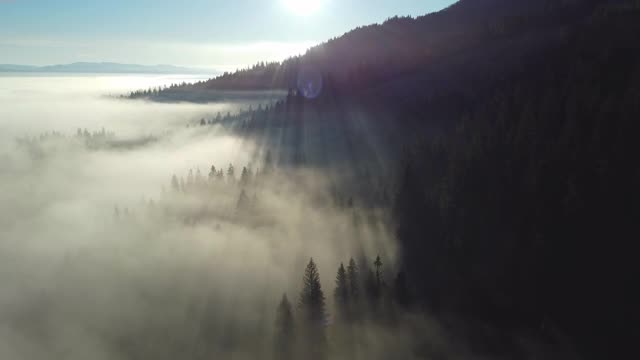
(231, 177)
(353, 278)
(341, 294)
(312, 313)
(379, 281)
(284, 333)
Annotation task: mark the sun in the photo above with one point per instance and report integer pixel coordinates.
(302, 7)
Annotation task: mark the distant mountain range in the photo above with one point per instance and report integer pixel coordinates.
(104, 68)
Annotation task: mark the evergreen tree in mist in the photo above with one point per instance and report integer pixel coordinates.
(378, 264)
(245, 176)
(312, 313)
(353, 281)
(212, 173)
(175, 185)
(341, 293)
(284, 335)
(353, 278)
(231, 173)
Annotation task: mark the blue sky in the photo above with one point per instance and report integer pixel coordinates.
(204, 33)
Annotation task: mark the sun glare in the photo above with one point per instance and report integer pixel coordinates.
(302, 7)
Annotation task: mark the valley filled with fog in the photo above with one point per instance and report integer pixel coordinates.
(434, 180)
(118, 241)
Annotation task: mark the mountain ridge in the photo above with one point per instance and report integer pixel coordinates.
(469, 37)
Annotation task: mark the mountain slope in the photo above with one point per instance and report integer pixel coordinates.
(440, 49)
(515, 194)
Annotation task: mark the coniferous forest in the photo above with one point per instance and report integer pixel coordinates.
(457, 185)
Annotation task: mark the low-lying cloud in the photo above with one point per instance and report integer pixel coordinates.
(102, 258)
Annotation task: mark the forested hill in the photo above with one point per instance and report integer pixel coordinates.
(450, 48)
(515, 197)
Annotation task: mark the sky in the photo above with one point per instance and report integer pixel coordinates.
(199, 33)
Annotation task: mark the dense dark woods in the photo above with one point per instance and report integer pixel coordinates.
(530, 199)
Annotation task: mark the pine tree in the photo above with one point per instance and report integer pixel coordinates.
(312, 309)
(353, 281)
(284, 336)
(312, 297)
(231, 173)
(353, 277)
(341, 293)
(378, 265)
(245, 176)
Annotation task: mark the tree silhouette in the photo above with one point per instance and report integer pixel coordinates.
(312, 311)
(341, 293)
(175, 185)
(245, 176)
(353, 278)
(231, 173)
(284, 332)
(378, 264)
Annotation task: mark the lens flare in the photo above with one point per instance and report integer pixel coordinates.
(309, 82)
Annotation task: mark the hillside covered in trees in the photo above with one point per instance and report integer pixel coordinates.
(500, 136)
(467, 43)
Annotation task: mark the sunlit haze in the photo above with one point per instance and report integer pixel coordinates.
(319, 179)
(212, 34)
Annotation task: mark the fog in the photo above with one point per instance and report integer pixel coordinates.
(100, 258)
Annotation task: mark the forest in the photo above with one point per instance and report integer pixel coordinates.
(457, 185)
(514, 200)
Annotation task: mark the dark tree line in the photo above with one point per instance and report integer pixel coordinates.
(523, 214)
(302, 331)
